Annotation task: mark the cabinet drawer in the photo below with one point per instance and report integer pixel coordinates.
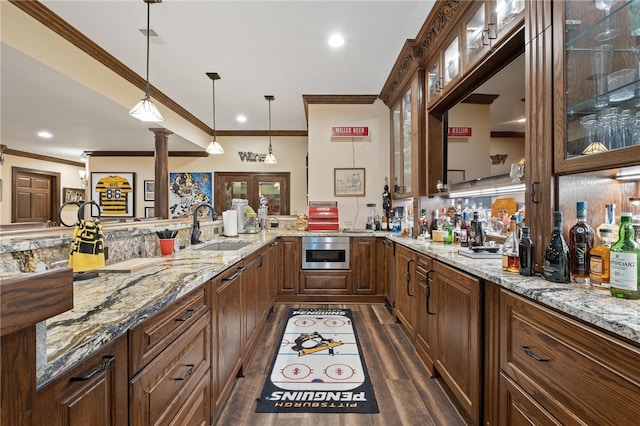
(159, 391)
(324, 282)
(151, 337)
(195, 411)
(424, 263)
(577, 373)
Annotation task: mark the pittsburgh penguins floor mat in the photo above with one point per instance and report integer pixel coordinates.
(318, 367)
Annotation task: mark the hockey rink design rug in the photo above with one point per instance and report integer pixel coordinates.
(318, 367)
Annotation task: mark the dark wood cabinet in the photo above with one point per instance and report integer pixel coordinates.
(250, 288)
(458, 355)
(291, 262)
(426, 326)
(329, 282)
(227, 308)
(384, 271)
(94, 392)
(274, 260)
(577, 373)
(405, 288)
(363, 265)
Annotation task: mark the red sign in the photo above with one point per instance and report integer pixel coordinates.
(350, 131)
(459, 131)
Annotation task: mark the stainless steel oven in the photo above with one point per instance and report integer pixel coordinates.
(325, 252)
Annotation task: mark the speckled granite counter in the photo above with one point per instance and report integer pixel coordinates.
(107, 306)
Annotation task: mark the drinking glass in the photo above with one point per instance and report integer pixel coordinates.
(601, 57)
(609, 128)
(625, 127)
(609, 32)
(590, 125)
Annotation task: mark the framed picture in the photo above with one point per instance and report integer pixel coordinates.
(72, 194)
(149, 212)
(149, 190)
(114, 192)
(349, 182)
(188, 189)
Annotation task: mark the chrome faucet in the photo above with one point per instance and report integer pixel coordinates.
(195, 233)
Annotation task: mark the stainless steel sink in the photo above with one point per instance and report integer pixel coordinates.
(224, 246)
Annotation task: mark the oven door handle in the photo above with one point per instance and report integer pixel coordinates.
(408, 277)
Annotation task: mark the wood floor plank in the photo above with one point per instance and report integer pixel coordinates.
(405, 393)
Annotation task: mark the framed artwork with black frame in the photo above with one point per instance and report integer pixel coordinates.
(149, 190)
(114, 192)
(72, 194)
(149, 212)
(349, 182)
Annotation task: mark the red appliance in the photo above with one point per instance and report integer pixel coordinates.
(323, 216)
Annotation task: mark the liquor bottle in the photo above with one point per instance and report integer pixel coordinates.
(451, 211)
(448, 229)
(395, 224)
(510, 255)
(463, 235)
(435, 223)
(580, 245)
(625, 254)
(609, 220)
(526, 253)
(599, 271)
(557, 259)
(476, 237)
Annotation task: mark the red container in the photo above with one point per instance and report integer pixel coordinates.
(323, 216)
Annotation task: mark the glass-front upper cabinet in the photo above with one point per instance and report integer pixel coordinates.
(476, 34)
(451, 62)
(402, 158)
(600, 111)
(433, 82)
(508, 14)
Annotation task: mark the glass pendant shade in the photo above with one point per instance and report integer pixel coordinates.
(215, 148)
(270, 159)
(145, 110)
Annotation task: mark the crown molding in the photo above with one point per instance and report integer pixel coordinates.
(9, 151)
(335, 100)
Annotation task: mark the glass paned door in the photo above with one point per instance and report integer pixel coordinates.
(271, 191)
(233, 190)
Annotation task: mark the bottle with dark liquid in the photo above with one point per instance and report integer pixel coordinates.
(581, 238)
(526, 253)
(511, 247)
(557, 258)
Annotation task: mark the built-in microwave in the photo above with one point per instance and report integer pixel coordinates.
(325, 252)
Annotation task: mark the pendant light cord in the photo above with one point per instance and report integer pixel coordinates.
(148, 29)
(270, 150)
(214, 108)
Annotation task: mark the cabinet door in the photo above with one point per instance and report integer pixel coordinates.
(384, 271)
(426, 326)
(476, 33)
(405, 288)
(291, 265)
(275, 269)
(434, 81)
(229, 318)
(94, 392)
(458, 357)
(519, 409)
(506, 16)
(451, 68)
(363, 265)
(250, 301)
(401, 143)
(596, 102)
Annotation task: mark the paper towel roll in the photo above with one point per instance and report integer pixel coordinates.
(230, 219)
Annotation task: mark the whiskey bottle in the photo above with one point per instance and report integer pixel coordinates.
(463, 235)
(526, 253)
(475, 232)
(557, 259)
(510, 255)
(580, 245)
(625, 254)
(599, 262)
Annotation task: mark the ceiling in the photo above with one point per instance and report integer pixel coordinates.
(258, 47)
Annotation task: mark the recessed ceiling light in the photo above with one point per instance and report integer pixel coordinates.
(241, 118)
(336, 40)
(44, 134)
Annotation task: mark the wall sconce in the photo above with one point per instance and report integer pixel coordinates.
(83, 178)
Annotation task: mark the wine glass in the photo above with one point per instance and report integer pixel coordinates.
(608, 33)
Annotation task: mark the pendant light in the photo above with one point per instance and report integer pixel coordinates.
(214, 147)
(270, 158)
(145, 110)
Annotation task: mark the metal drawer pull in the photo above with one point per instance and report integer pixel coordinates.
(187, 373)
(427, 292)
(186, 316)
(408, 277)
(530, 353)
(100, 368)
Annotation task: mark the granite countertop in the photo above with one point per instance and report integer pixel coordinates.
(107, 306)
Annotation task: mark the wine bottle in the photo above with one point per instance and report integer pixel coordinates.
(580, 245)
(624, 257)
(510, 255)
(526, 253)
(557, 258)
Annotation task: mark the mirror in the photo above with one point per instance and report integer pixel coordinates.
(486, 129)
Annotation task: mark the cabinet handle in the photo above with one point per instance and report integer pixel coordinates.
(100, 368)
(530, 353)
(427, 293)
(532, 196)
(273, 244)
(187, 373)
(187, 315)
(260, 260)
(491, 31)
(239, 272)
(485, 37)
(408, 277)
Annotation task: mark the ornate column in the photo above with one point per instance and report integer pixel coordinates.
(161, 161)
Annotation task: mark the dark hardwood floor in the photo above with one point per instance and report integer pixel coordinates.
(405, 392)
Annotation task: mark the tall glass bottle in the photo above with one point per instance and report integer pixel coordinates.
(557, 259)
(464, 230)
(625, 256)
(580, 245)
(510, 254)
(476, 237)
(599, 259)
(526, 253)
